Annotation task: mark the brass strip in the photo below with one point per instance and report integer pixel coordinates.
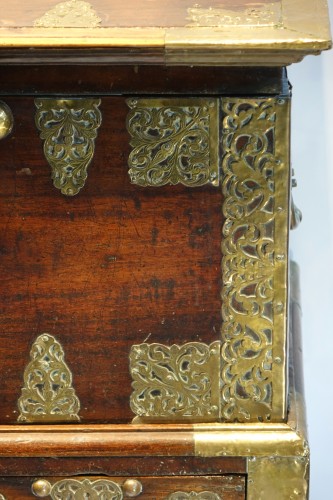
(47, 394)
(174, 141)
(278, 478)
(254, 263)
(175, 383)
(253, 439)
(69, 128)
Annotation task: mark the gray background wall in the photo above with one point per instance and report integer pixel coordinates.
(312, 248)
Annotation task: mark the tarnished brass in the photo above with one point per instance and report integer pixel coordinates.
(132, 488)
(6, 120)
(202, 495)
(71, 14)
(255, 254)
(81, 489)
(174, 140)
(47, 395)
(69, 128)
(265, 14)
(177, 382)
(41, 488)
(278, 478)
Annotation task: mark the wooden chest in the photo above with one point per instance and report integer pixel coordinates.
(148, 329)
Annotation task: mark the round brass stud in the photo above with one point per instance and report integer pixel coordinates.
(41, 488)
(132, 487)
(6, 120)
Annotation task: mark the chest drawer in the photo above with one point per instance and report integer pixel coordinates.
(228, 487)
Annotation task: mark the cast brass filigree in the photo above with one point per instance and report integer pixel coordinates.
(79, 489)
(257, 15)
(48, 395)
(255, 249)
(69, 128)
(71, 14)
(174, 141)
(203, 495)
(176, 382)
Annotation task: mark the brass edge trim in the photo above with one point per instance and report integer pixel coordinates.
(281, 298)
(260, 440)
(278, 478)
(255, 239)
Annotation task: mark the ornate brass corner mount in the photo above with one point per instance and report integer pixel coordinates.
(80, 489)
(202, 495)
(174, 141)
(70, 14)
(177, 382)
(47, 395)
(69, 128)
(255, 254)
(6, 120)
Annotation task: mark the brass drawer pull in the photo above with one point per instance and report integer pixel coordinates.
(42, 488)
(132, 488)
(6, 120)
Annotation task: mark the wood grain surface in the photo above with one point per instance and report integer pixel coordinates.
(114, 266)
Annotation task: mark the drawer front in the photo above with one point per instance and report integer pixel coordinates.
(229, 487)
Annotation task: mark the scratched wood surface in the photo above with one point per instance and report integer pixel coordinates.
(114, 266)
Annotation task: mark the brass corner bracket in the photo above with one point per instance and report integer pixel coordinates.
(176, 382)
(174, 141)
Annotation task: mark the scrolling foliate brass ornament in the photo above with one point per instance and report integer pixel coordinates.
(71, 14)
(176, 382)
(174, 141)
(70, 489)
(48, 395)
(202, 495)
(254, 263)
(69, 128)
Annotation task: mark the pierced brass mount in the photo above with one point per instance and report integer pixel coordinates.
(69, 128)
(174, 141)
(47, 395)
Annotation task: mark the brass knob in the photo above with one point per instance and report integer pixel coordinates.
(132, 487)
(6, 120)
(41, 488)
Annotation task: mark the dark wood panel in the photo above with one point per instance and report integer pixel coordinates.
(114, 266)
(113, 80)
(120, 466)
(228, 487)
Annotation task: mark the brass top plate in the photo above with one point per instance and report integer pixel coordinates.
(212, 32)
